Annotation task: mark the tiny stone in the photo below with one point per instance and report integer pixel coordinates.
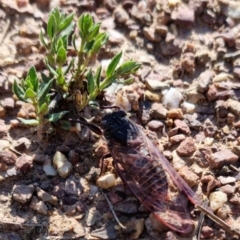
(228, 189)
(222, 158)
(187, 147)
(27, 111)
(189, 176)
(172, 98)
(2, 111)
(3, 167)
(128, 206)
(151, 35)
(175, 113)
(39, 206)
(48, 168)
(156, 85)
(3, 129)
(22, 193)
(183, 16)
(153, 96)
(8, 157)
(106, 181)
(234, 106)
(177, 162)
(22, 144)
(8, 103)
(157, 111)
(73, 186)
(235, 199)
(155, 125)
(63, 166)
(46, 197)
(92, 216)
(226, 180)
(121, 16)
(182, 126)
(217, 199)
(207, 232)
(204, 80)
(24, 163)
(177, 138)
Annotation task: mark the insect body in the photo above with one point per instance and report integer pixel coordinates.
(147, 173)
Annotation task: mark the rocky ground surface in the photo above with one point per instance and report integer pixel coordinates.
(186, 96)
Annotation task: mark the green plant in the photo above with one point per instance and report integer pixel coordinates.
(69, 77)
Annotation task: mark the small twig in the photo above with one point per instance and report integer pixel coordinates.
(15, 151)
(234, 168)
(200, 223)
(219, 221)
(112, 210)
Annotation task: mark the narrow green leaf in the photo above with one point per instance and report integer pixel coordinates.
(69, 66)
(85, 22)
(45, 78)
(56, 116)
(57, 14)
(98, 76)
(51, 70)
(65, 41)
(29, 93)
(18, 91)
(32, 73)
(100, 40)
(74, 41)
(67, 31)
(28, 83)
(59, 44)
(61, 56)
(43, 108)
(93, 31)
(88, 46)
(65, 23)
(90, 82)
(33, 122)
(128, 67)
(44, 91)
(43, 40)
(51, 26)
(128, 81)
(113, 64)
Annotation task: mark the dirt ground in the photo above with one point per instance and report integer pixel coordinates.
(186, 96)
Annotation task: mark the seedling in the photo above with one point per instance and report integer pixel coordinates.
(69, 77)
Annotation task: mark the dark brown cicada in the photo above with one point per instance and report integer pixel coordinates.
(147, 173)
(144, 169)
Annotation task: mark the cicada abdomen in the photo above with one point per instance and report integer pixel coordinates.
(147, 173)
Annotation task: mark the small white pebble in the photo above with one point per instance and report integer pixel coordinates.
(106, 181)
(217, 199)
(172, 98)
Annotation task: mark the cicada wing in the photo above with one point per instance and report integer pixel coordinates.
(175, 177)
(150, 184)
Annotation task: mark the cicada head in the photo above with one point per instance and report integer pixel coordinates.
(118, 128)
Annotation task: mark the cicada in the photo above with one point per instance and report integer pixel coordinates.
(149, 175)
(145, 170)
